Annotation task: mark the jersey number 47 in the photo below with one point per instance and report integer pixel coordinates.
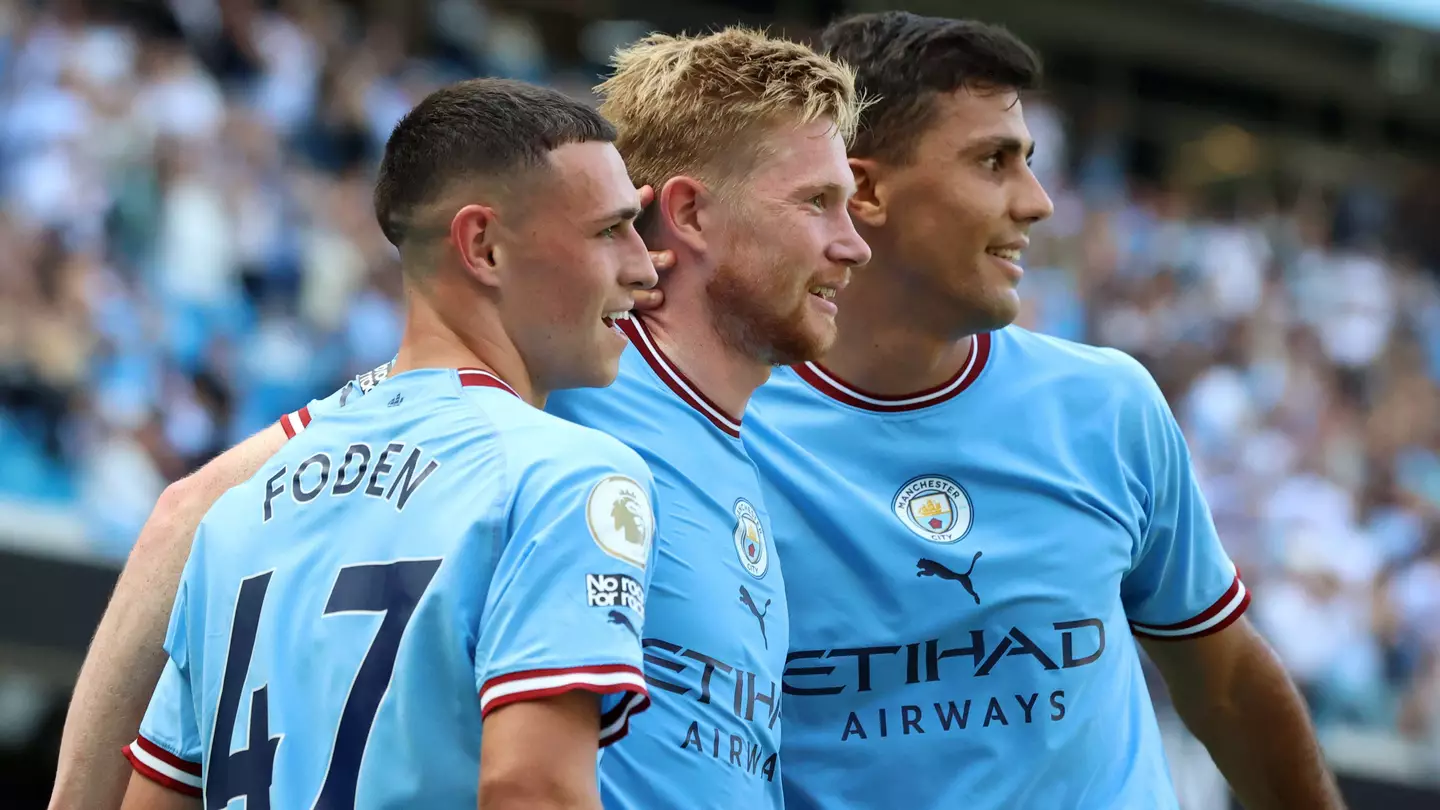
(389, 588)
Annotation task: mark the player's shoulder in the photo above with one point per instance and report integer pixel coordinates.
(633, 396)
(552, 447)
(1079, 366)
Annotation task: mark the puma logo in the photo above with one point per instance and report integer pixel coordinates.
(616, 617)
(930, 568)
(749, 602)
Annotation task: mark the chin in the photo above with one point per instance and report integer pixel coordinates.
(599, 374)
(605, 373)
(996, 312)
(801, 345)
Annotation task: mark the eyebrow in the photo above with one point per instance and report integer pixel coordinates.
(625, 214)
(1002, 143)
(845, 191)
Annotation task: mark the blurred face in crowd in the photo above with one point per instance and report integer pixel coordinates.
(568, 262)
(786, 247)
(952, 220)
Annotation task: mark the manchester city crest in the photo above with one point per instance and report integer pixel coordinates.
(934, 507)
(750, 540)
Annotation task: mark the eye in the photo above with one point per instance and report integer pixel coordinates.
(994, 162)
(818, 201)
(610, 232)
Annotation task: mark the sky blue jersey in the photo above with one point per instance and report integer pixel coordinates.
(404, 566)
(717, 631)
(968, 569)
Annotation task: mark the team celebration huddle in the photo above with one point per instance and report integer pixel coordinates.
(709, 473)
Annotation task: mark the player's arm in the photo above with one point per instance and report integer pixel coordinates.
(166, 753)
(558, 665)
(1185, 600)
(142, 794)
(125, 657)
(1235, 696)
(541, 753)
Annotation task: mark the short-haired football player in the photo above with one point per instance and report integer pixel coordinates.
(390, 613)
(979, 522)
(743, 137)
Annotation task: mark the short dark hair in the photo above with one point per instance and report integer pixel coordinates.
(488, 127)
(903, 61)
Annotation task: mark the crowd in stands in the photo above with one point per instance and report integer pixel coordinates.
(187, 251)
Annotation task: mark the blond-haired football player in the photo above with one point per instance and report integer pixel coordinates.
(743, 138)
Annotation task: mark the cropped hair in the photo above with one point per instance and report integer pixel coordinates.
(477, 128)
(700, 105)
(903, 62)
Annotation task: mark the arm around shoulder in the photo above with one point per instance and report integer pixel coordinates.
(127, 655)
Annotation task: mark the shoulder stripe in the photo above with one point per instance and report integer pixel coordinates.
(825, 381)
(607, 679)
(480, 378)
(295, 422)
(1213, 619)
(164, 768)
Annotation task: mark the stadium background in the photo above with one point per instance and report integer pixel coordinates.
(1247, 198)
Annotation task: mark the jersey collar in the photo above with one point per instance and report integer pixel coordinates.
(479, 377)
(825, 381)
(677, 381)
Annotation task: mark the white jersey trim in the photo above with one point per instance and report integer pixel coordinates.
(1217, 617)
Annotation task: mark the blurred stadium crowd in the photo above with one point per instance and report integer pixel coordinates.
(187, 251)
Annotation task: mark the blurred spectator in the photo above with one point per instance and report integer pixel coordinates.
(189, 252)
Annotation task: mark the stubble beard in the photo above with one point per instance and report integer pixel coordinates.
(756, 317)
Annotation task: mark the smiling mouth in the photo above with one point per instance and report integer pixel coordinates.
(823, 292)
(1008, 254)
(610, 318)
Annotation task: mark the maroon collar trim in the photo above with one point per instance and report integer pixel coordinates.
(674, 379)
(837, 389)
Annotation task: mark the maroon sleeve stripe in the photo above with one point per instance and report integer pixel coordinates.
(1221, 614)
(164, 768)
(604, 679)
(294, 423)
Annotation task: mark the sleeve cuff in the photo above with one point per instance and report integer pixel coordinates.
(1213, 619)
(609, 679)
(295, 422)
(164, 768)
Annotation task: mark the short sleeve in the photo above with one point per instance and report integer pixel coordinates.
(566, 605)
(295, 422)
(1182, 583)
(168, 750)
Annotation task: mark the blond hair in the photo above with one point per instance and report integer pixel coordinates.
(697, 105)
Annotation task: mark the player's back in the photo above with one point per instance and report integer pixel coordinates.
(337, 619)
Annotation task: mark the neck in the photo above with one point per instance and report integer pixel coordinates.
(888, 343)
(432, 340)
(687, 336)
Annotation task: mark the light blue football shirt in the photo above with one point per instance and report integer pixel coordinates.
(402, 567)
(968, 569)
(716, 631)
